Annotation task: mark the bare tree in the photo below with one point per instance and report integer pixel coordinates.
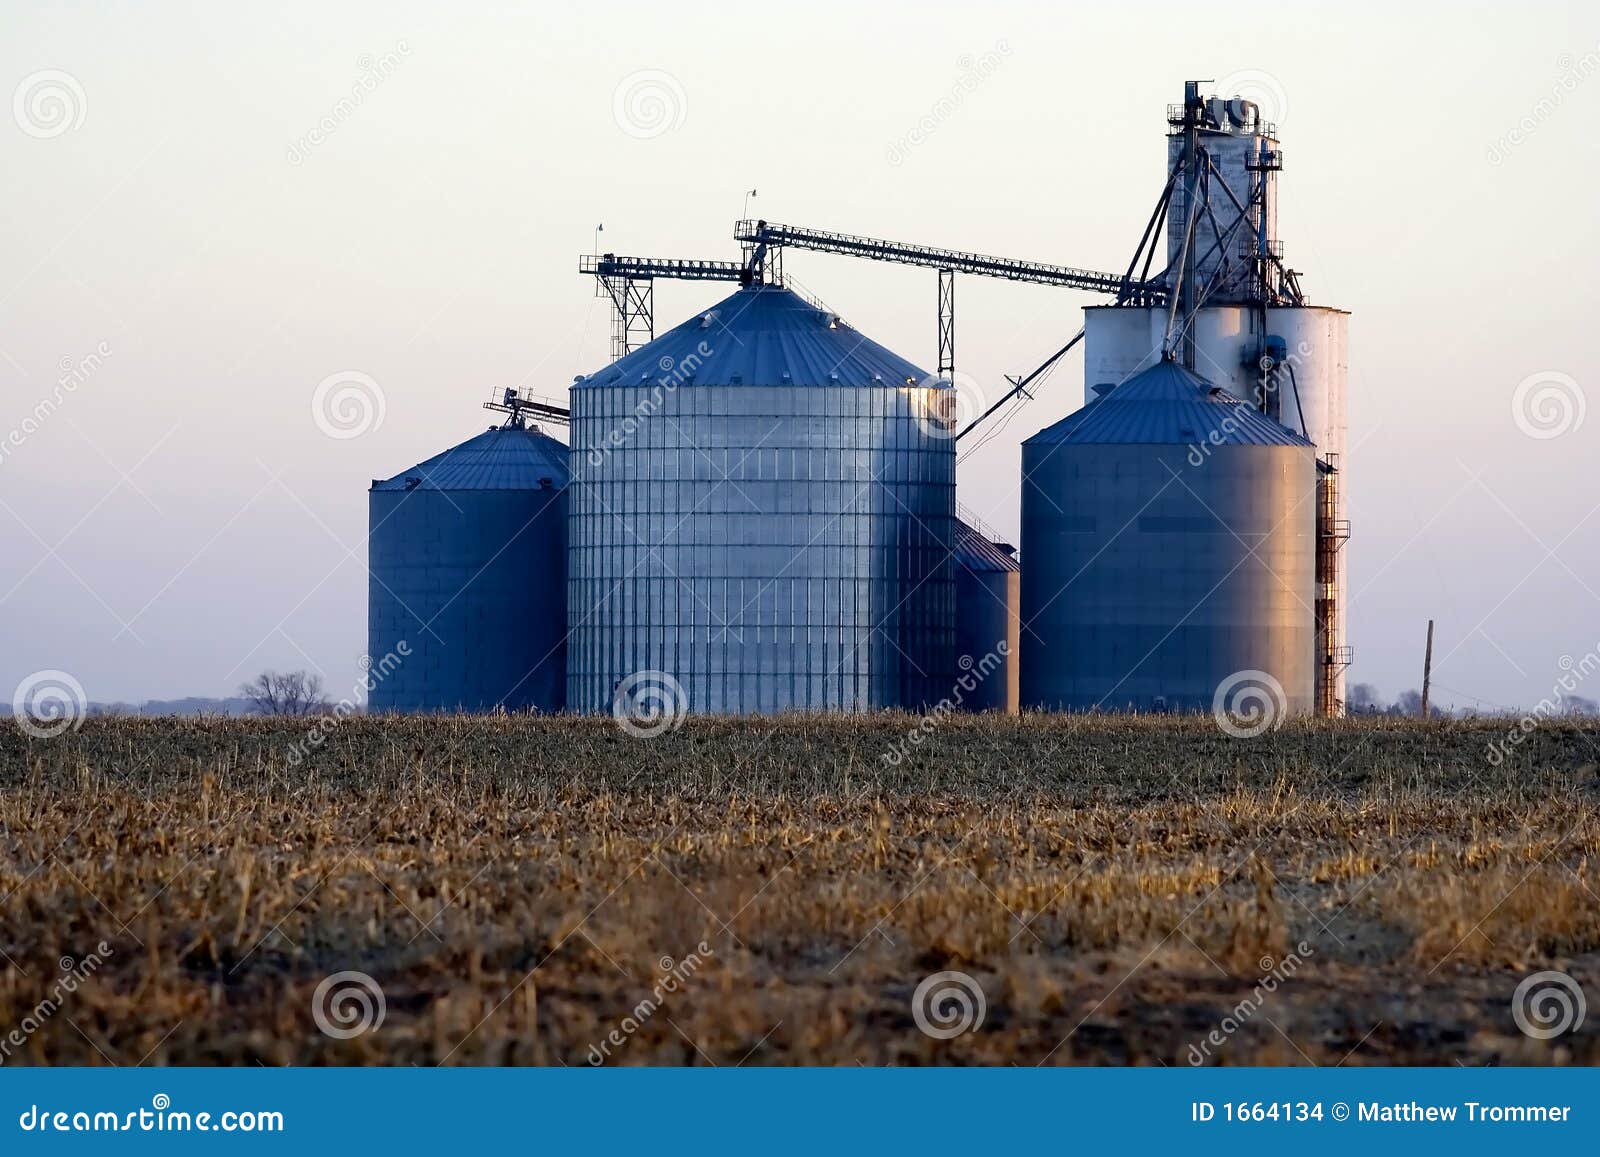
(1364, 699)
(286, 693)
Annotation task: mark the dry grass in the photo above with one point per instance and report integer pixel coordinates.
(513, 884)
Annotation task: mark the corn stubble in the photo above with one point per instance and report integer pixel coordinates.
(518, 886)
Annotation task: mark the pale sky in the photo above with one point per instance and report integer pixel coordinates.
(179, 521)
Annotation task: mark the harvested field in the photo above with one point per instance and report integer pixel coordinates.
(1117, 891)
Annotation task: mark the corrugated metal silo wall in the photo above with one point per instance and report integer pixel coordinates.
(988, 607)
(473, 582)
(1140, 584)
(772, 549)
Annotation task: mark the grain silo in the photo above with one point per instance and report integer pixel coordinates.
(761, 517)
(1251, 329)
(988, 620)
(466, 586)
(1169, 531)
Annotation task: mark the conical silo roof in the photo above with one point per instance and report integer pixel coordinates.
(978, 552)
(501, 458)
(762, 335)
(1167, 405)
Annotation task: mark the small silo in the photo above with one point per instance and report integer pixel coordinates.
(988, 619)
(1169, 530)
(761, 518)
(466, 600)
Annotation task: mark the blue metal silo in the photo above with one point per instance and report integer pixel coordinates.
(988, 621)
(761, 513)
(466, 604)
(1169, 531)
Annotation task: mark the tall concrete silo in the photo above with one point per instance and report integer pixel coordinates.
(1169, 532)
(761, 518)
(1255, 333)
(988, 621)
(466, 606)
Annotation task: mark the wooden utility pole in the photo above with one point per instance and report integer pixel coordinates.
(1427, 670)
